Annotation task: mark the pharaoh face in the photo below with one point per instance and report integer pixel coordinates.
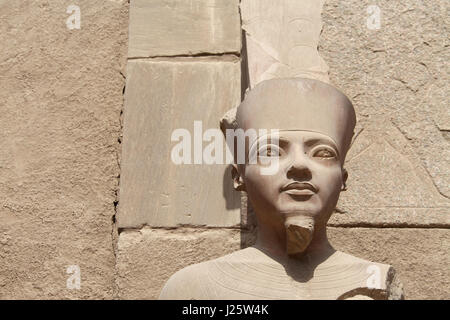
(315, 123)
(307, 179)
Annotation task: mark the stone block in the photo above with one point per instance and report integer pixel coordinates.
(396, 74)
(147, 258)
(387, 184)
(180, 27)
(163, 96)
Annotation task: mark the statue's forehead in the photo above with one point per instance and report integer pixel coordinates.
(299, 105)
(294, 134)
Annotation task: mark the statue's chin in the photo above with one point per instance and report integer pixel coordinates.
(299, 233)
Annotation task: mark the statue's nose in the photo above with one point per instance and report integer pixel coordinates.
(299, 168)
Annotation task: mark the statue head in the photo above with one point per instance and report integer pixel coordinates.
(314, 123)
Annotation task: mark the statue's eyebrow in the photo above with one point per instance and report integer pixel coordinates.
(314, 141)
(267, 139)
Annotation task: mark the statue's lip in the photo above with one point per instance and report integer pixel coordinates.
(300, 188)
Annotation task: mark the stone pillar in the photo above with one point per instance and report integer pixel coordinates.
(183, 67)
(282, 38)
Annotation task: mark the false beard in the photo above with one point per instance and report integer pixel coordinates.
(299, 233)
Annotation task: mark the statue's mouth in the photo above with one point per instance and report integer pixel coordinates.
(299, 188)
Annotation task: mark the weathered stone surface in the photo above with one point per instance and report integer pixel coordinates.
(282, 38)
(387, 184)
(162, 96)
(180, 27)
(400, 73)
(420, 256)
(147, 258)
(60, 116)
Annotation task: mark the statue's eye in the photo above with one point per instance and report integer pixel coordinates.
(269, 151)
(324, 153)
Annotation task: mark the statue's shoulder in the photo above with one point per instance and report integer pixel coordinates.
(182, 284)
(379, 280)
(193, 282)
(347, 259)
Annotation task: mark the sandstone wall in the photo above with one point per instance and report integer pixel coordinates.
(60, 105)
(62, 157)
(398, 188)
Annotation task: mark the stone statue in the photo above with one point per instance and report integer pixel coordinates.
(292, 258)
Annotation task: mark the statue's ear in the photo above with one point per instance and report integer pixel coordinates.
(238, 181)
(344, 179)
